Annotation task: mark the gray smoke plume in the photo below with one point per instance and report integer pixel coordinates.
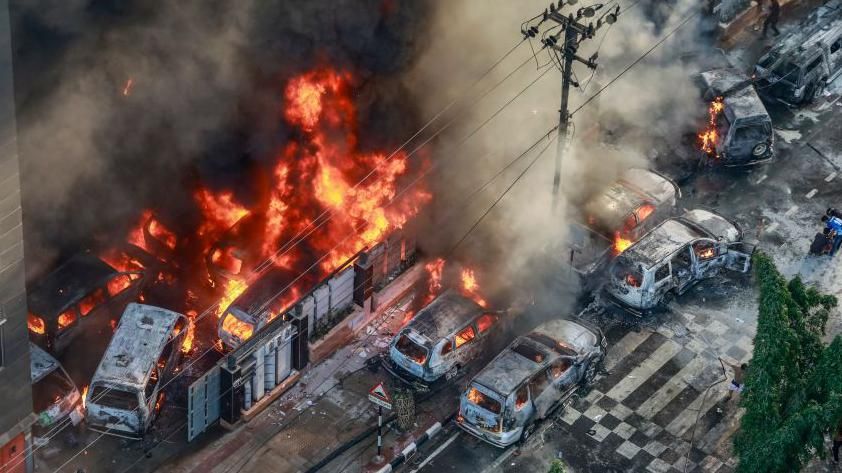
(612, 133)
(124, 105)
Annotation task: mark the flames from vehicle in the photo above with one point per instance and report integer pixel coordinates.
(621, 243)
(470, 287)
(434, 269)
(187, 343)
(84, 397)
(323, 194)
(36, 324)
(708, 137)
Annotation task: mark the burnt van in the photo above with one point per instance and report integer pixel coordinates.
(530, 379)
(618, 216)
(54, 395)
(442, 339)
(800, 65)
(673, 257)
(83, 294)
(126, 392)
(742, 134)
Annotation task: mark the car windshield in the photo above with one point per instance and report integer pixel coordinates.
(787, 71)
(625, 271)
(114, 398)
(411, 350)
(50, 389)
(476, 397)
(552, 344)
(768, 60)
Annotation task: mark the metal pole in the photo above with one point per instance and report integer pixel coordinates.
(570, 38)
(379, 429)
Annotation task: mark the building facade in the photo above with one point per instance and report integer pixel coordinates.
(16, 415)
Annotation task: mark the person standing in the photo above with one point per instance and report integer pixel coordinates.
(772, 18)
(737, 385)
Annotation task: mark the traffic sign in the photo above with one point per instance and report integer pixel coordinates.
(380, 396)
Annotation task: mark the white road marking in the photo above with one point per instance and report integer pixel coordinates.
(791, 210)
(772, 227)
(830, 177)
(437, 451)
(812, 193)
(626, 345)
(671, 388)
(644, 371)
(762, 178)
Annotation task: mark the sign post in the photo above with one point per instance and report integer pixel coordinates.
(381, 397)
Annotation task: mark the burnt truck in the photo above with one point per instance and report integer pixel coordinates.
(800, 65)
(740, 131)
(529, 380)
(126, 391)
(83, 294)
(673, 257)
(442, 339)
(54, 395)
(622, 213)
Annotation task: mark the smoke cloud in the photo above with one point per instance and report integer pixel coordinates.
(125, 105)
(611, 134)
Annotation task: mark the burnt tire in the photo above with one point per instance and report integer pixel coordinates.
(451, 373)
(527, 432)
(592, 371)
(759, 150)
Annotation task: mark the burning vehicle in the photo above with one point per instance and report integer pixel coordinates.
(55, 396)
(673, 257)
(442, 339)
(84, 291)
(532, 377)
(801, 64)
(739, 129)
(126, 391)
(627, 209)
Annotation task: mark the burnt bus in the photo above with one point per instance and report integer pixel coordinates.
(263, 301)
(82, 294)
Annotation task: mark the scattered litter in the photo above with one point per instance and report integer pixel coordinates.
(719, 410)
(762, 178)
(363, 354)
(631, 376)
(370, 330)
(830, 177)
(592, 432)
(812, 193)
(739, 320)
(597, 418)
(791, 210)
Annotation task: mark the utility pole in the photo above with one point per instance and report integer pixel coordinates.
(575, 31)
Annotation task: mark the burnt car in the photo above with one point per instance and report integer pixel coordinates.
(83, 293)
(126, 391)
(742, 133)
(531, 378)
(674, 256)
(801, 64)
(441, 339)
(622, 213)
(54, 395)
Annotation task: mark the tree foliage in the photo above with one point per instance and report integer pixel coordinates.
(557, 466)
(793, 386)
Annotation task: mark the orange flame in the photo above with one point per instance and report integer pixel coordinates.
(644, 211)
(709, 136)
(231, 291)
(220, 210)
(471, 288)
(36, 324)
(187, 344)
(236, 327)
(84, 397)
(128, 87)
(620, 243)
(434, 271)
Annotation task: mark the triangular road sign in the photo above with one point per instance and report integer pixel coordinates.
(380, 396)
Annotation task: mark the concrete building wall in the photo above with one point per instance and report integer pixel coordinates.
(15, 391)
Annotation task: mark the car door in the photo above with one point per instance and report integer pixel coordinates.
(708, 258)
(663, 280)
(682, 269)
(466, 343)
(835, 57)
(737, 256)
(544, 394)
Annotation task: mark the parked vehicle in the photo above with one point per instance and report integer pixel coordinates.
(622, 213)
(126, 390)
(54, 395)
(673, 257)
(82, 292)
(743, 129)
(442, 339)
(531, 378)
(801, 64)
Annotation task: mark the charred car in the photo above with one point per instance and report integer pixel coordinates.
(126, 391)
(442, 339)
(627, 209)
(82, 293)
(741, 133)
(532, 377)
(673, 257)
(801, 64)
(54, 395)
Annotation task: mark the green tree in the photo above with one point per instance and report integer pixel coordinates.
(793, 386)
(557, 466)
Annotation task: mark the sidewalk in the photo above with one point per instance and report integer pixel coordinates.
(313, 418)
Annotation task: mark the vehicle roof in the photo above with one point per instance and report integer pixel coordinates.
(69, 283)
(509, 369)
(41, 363)
(671, 235)
(634, 188)
(140, 337)
(738, 94)
(570, 333)
(447, 313)
(803, 42)
(269, 285)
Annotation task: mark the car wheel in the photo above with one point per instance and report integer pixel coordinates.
(818, 90)
(527, 432)
(451, 373)
(759, 149)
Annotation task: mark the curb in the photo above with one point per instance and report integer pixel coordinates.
(412, 448)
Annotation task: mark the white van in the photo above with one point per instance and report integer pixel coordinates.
(125, 394)
(54, 395)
